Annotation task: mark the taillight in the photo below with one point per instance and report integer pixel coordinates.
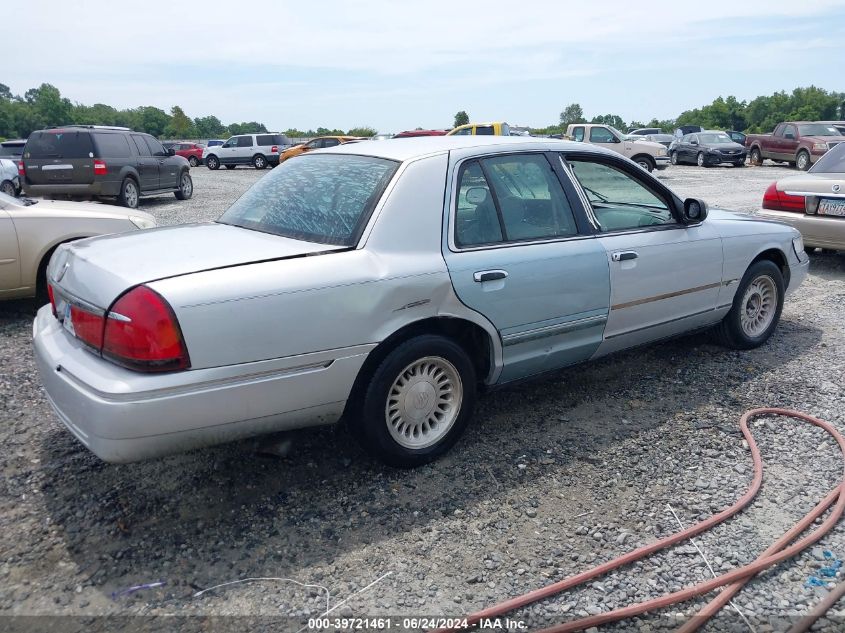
(87, 326)
(142, 333)
(274, 149)
(52, 299)
(21, 169)
(100, 168)
(781, 201)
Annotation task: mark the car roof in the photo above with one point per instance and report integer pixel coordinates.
(420, 146)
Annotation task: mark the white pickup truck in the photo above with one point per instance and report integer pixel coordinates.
(646, 154)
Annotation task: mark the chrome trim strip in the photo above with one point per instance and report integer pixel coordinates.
(62, 167)
(668, 295)
(815, 194)
(648, 327)
(552, 330)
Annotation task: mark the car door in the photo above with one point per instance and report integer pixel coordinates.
(519, 253)
(146, 164)
(227, 153)
(244, 150)
(664, 276)
(789, 143)
(10, 263)
(168, 166)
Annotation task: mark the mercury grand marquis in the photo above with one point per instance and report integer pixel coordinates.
(388, 284)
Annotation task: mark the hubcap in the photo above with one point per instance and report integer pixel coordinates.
(131, 195)
(9, 190)
(259, 162)
(758, 306)
(802, 161)
(423, 402)
(187, 187)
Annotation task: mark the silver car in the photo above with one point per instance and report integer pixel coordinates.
(390, 284)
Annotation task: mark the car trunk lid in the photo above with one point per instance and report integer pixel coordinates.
(97, 270)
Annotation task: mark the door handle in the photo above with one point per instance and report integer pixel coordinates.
(489, 275)
(621, 256)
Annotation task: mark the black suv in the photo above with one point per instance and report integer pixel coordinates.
(91, 161)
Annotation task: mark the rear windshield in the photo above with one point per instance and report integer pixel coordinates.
(271, 139)
(320, 198)
(833, 162)
(59, 144)
(112, 145)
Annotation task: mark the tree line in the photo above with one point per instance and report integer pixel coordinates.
(44, 106)
(758, 115)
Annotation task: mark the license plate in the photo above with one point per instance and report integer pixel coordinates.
(829, 206)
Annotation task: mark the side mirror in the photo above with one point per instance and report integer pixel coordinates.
(171, 151)
(616, 139)
(695, 211)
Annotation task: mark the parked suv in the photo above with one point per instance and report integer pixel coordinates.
(646, 154)
(258, 150)
(90, 161)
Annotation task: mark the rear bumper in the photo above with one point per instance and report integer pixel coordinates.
(124, 416)
(100, 188)
(817, 231)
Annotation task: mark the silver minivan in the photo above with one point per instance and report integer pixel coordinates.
(258, 150)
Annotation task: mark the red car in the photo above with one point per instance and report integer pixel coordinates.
(191, 151)
(411, 133)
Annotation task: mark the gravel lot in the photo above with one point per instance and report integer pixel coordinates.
(551, 478)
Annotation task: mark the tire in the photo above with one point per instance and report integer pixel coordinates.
(700, 160)
(8, 187)
(259, 161)
(755, 157)
(645, 162)
(749, 324)
(802, 160)
(382, 423)
(186, 187)
(193, 161)
(230, 166)
(673, 158)
(212, 162)
(129, 194)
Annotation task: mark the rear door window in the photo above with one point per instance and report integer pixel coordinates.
(112, 145)
(141, 145)
(484, 130)
(244, 141)
(59, 144)
(330, 142)
(265, 140)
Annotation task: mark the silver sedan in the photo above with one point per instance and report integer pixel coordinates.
(389, 284)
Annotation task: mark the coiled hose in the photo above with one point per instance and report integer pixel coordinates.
(733, 581)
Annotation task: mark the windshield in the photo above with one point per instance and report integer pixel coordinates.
(714, 138)
(324, 198)
(833, 162)
(818, 129)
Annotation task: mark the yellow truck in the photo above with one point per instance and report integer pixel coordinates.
(499, 128)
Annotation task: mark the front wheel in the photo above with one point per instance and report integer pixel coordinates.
(417, 403)
(756, 308)
(129, 194)
(186, 187)
(193, 161)
(700, 160)
(645, 163)
(674, 158)
(802, 161)
(8, 187)
(212, 162)
(755, 157)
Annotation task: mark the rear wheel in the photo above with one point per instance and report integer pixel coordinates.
(259, 162)
(756, 157)
(212, 162)
(756, 308)
(186, 187)
(129, 194)
(802, 160)
(417, 403)
(193, 161)
(8, 187)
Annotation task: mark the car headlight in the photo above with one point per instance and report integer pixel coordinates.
(798, 245)
(662, 152)
(142, 223)
(819, 145)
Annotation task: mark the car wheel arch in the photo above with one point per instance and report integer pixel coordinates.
(778, 258)
(647, 157)
(472, 337)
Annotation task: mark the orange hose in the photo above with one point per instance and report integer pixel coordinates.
(736, 578)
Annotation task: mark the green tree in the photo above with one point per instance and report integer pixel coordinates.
(362, 130)
(461, 118)
(180, 125)
(573, 113)
(209, 127)
(251, 127)
(151, 120)
(48, 105)
(614, 120)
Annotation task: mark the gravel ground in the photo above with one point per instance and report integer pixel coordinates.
(552, 477)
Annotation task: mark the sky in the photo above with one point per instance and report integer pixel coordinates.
(402, 64)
